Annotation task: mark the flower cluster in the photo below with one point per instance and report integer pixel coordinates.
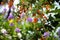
(28, 21)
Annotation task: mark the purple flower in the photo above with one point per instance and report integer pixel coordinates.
(10, 16)
(29, 19)
(17, 30)
(5, 9)
(46, 34)
(11, 24)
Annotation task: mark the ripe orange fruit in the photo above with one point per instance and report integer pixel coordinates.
(35, 20)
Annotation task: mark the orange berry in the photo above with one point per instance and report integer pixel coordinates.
(35, 20)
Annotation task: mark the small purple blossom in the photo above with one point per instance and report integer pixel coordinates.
(10, 16)
(29, 19)
(17, 30)
(46, 34)
(5, 9)
(11, 24)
